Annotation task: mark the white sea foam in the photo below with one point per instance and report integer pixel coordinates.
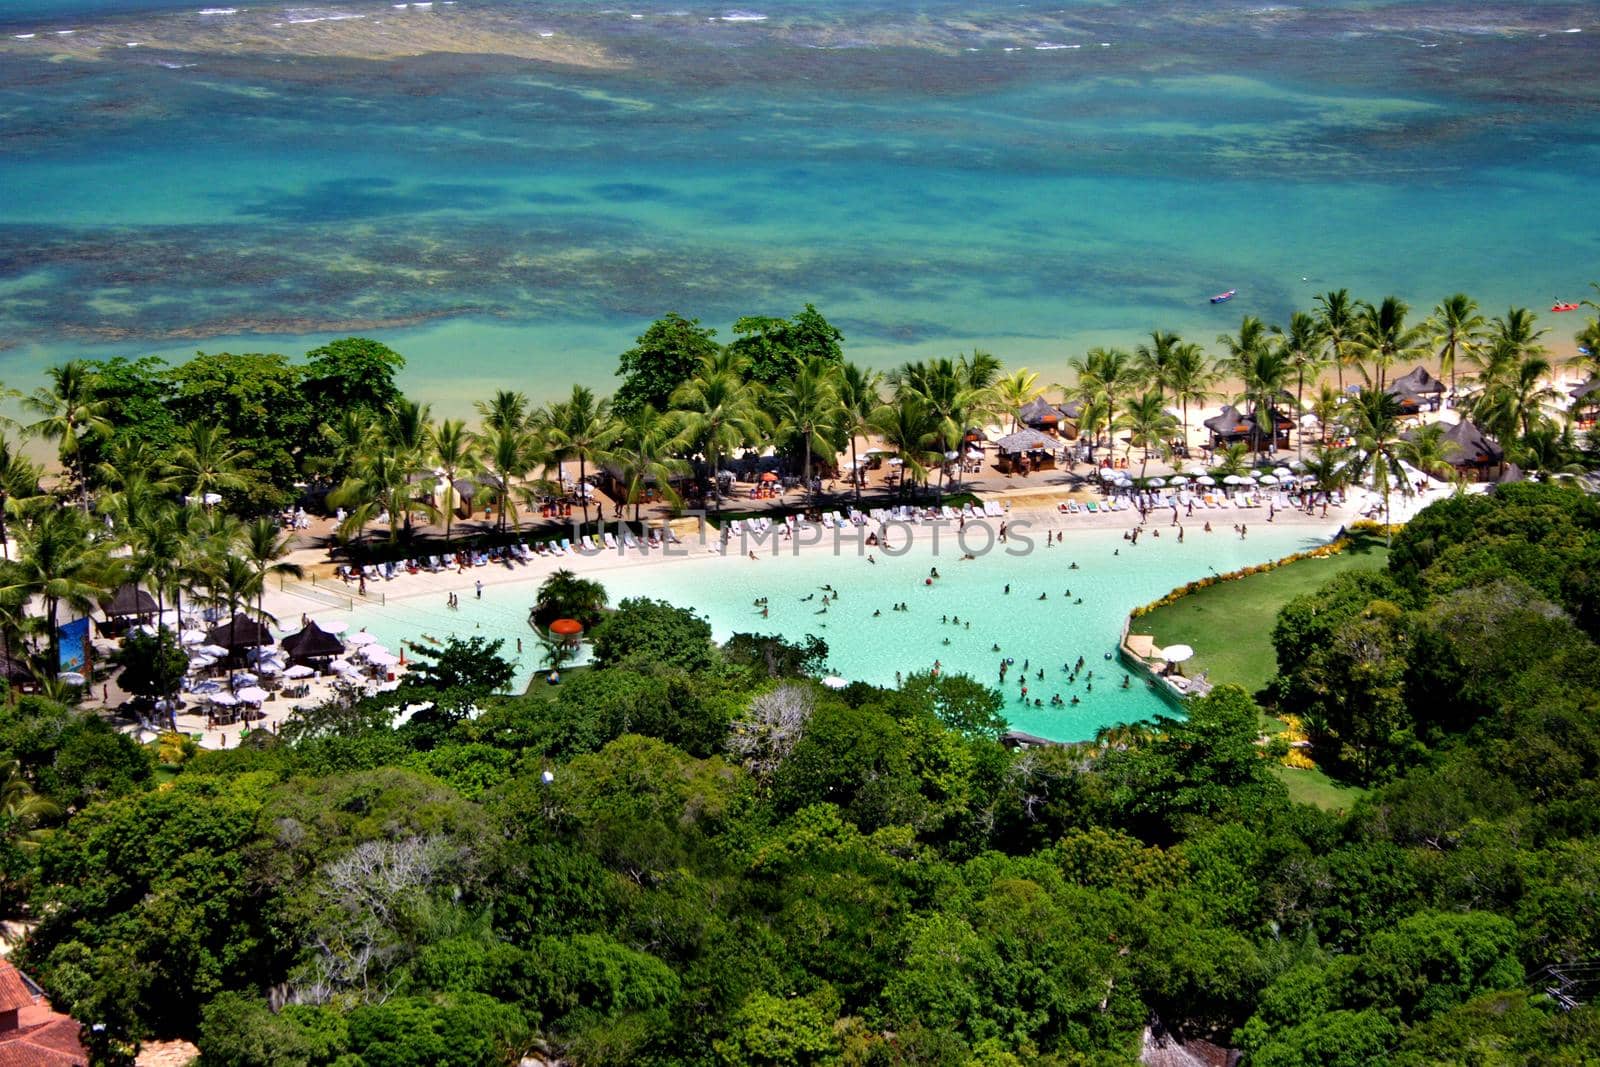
(546, 33)
(1575, 29)
(65, 33)
(24, 36)
(1048, 47)
(218, 11)
(424, 3)
(744, 16)
(133, 44)
(1105, 44)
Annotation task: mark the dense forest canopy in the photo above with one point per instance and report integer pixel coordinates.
(698, 856)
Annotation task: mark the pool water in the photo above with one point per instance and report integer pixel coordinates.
(1112, 578)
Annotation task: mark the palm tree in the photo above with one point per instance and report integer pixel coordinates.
(1514, 400)
(720, 413)
(19, 489)
(564, 595)
(503, 456)
(1301, 348)
(579, 428)
(22, 809)
(204, 463)
(806, 409)
(1189, 377)
(1262, 369)
(381, 484)
(643, 451)
(908, 424)
(1150, 426)
(451, 448)
(507, 410)
(1336, 313)
(266, 549)
(1455, 327)
(68, 408)
(59, 562)
(348, 438)
(1155, 360)
(1330, 468)
(1550, 448)
(860, 394)
(1383, 339)
(1426, 449)
(1374, 418)
(1016, 391)
(1102, 374)
(1326, 406)
(955, 393)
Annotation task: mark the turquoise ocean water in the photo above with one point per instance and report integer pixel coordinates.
(1031, 179)
(1111, 578)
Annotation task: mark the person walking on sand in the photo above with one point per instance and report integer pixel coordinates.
(480, 588)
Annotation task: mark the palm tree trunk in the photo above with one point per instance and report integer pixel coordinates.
(855, 469)
(54, 666)
(583, 497)
(1299, 406)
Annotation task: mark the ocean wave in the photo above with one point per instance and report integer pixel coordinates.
(24, 36)
(1049, 47)
(744, 16)
(218, 11)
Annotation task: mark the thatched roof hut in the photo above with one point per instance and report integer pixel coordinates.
(128, 600)
(1469, 446)
(313, 642)
(1418, 383)
(1040, 414)
(239, 632)
(1028, 440)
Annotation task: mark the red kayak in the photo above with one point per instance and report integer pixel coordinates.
(1559, 306)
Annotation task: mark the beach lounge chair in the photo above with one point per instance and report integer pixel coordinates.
(611, 540)
(993, 510)
(949, 512)
(671, 535)
(628, 538)
(968, 513)
(1073, 508)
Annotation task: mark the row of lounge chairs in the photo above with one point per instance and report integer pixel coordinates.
(906, 513)
(524, 552)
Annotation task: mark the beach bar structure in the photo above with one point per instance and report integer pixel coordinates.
(1471, 451)
(1417, 392)
(127, 606)
(1232, 426)
(1026, 450)
(1039, 414)
(312, 646)
(238, 634)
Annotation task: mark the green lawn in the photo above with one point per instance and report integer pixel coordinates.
(1317, 789)
(538, 687)
(1229, 625)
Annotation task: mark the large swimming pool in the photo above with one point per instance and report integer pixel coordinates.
(870, 641)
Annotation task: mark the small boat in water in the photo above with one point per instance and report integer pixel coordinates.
(1564, 305)
(1221, 298)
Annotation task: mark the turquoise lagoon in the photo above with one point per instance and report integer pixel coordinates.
(1112, 577)
(935, 176)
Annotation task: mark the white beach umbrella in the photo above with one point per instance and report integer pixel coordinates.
(299, 670)
(1269, 479)
(243, 678)
(1205, 479)
(1177, 479)
(1282, 472)
(1157, 483)
(341, 665)
(1233, 479)
(270, 670)
(1177, 653)
(383, 659)
(333, 626)
(252, 694)
(359, 638)
(368, 651)
(212, 650)
(226, 700)
(192, 637)
(207, 686)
